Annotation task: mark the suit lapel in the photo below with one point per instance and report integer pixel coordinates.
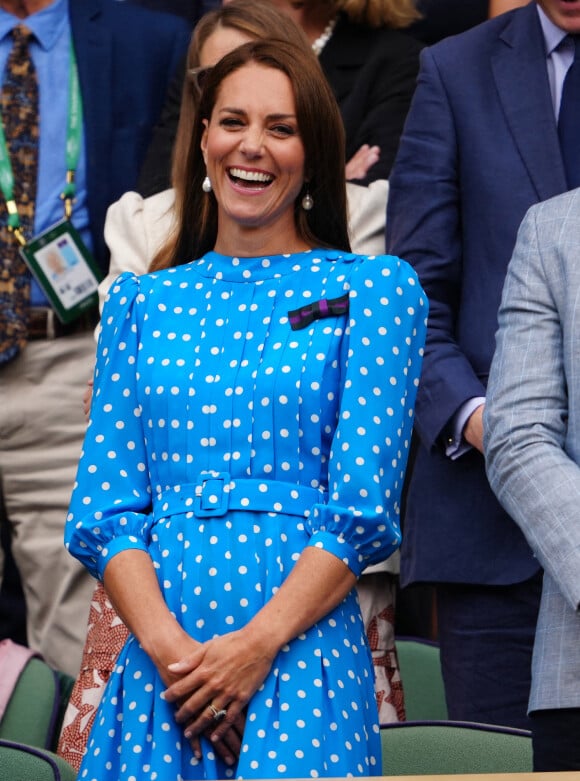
(519, 70)
(94, 57)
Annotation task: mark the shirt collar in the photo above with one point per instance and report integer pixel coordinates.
(47, 24)
(553, 35)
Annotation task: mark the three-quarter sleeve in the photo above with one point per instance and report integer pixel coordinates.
(382, 355)
(111, 500)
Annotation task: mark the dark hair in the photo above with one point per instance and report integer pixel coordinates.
(322, 134)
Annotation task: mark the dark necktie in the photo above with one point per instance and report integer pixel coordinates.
(569, 119)
(19, 108)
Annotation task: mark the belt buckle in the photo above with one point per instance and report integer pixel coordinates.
(212, 494)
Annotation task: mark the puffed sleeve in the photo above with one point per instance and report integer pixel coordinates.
(135, 230)
(382, 355)
(111, 500)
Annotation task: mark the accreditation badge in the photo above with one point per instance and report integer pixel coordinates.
(65, 270)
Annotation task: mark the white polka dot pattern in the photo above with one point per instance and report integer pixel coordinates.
(198, 372)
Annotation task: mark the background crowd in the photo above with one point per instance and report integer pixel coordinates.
(446, 148)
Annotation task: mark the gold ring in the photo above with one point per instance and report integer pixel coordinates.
(218, 715)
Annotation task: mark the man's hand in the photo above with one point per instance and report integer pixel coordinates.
(473, 429)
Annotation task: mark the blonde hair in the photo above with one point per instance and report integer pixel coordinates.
(375, 13)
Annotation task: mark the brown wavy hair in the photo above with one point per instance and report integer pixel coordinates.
(322, 133)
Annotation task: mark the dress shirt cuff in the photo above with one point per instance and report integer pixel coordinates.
(456, 445)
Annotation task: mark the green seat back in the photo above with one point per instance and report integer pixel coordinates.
(27, 763)
(422, 680)
(454, 748)
(31, 713)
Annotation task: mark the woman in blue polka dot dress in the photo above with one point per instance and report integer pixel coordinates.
(245, 455)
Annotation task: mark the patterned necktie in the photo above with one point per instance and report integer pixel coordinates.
(569, 119)
(19, 107)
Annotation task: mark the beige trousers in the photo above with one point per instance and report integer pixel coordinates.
(42, 427)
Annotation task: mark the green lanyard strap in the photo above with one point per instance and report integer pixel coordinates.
(73, 135)
(7, 186)
(73, 147)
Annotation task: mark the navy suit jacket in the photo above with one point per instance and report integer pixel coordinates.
(479, 147)
(192, 10)
(126, 58)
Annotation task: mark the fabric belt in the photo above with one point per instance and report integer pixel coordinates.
(43, 323)
(217, 492)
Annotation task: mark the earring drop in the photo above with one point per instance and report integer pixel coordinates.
(206, 185)
(307, 202)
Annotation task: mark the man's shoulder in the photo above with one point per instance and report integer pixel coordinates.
(123, 17)
(138, 42)
(477, 42)
(565, 207)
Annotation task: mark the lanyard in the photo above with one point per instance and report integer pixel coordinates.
(73, 146)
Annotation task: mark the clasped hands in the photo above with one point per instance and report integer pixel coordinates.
(211, 687)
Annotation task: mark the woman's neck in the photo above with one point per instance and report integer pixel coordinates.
(246, 242)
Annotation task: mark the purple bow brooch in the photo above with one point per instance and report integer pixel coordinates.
(326, 307)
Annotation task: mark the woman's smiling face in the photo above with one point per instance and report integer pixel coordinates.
(254, 154)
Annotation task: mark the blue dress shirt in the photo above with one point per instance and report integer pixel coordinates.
(51, 56)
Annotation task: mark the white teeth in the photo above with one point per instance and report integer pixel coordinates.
(250, 176)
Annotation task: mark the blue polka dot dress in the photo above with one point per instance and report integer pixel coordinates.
(243, 409)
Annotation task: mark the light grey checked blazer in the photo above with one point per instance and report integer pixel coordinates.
(532, 430)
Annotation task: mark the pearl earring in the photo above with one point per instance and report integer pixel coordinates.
(206, 185)
(307, 202)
